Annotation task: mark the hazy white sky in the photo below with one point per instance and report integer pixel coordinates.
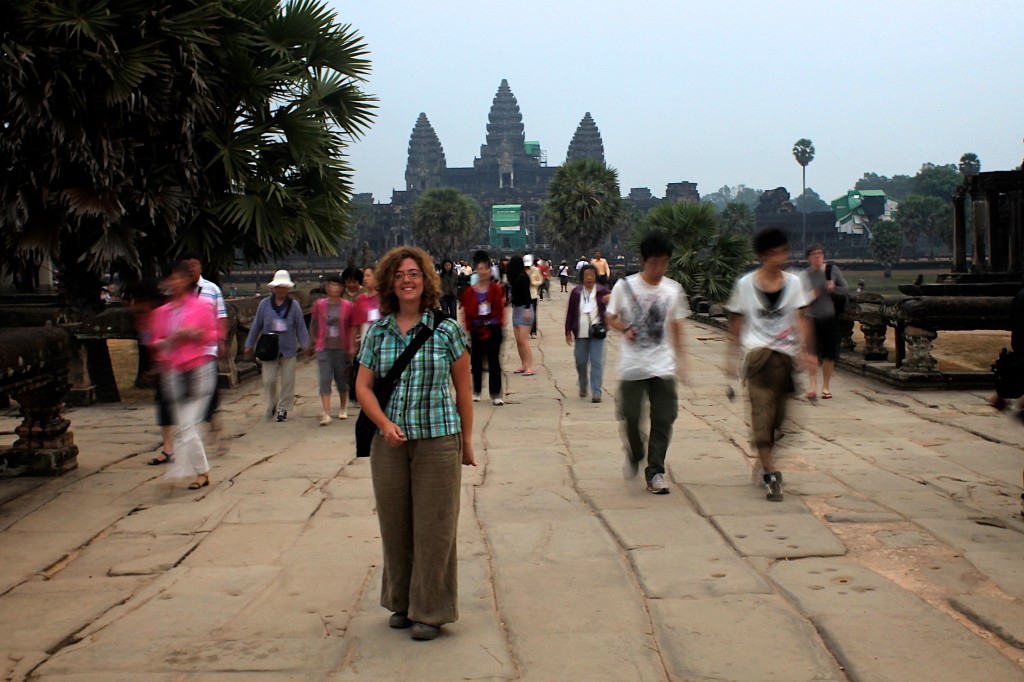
(713, 92)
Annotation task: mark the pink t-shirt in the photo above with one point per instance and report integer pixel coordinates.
(188, 312)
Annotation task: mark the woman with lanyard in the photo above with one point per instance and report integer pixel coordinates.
(424, 439)
(522, 313)
(184, 330)
(279, 314)
(483, 309)
(332, 326)
(584, 321)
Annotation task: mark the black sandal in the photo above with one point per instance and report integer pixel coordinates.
(164, 458)
(196, 485)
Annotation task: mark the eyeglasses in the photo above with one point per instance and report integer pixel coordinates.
(412, 275)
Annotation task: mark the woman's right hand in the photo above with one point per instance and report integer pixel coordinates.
(568, 339)
(393, 435)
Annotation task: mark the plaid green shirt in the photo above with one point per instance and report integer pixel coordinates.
(422, 404)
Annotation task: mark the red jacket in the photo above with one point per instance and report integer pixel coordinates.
(475, 323)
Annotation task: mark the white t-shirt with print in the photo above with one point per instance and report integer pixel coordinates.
(776, 328)
(651, 310)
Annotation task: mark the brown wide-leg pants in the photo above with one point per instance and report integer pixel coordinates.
(417, 487)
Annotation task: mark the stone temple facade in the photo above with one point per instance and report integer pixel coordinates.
(509, 170)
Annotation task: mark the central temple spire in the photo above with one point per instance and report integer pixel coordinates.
(504, 152)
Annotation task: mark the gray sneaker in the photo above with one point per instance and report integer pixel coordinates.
(657, 485)
(773, 483)
(630, 468)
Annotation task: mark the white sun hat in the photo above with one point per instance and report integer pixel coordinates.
(281, 279)
(528, 260)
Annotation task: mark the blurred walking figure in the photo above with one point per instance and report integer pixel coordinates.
(279, 315)
(824, 282)
(536, 280)
(483, 309)
(768, 325)
(585, 322)
(563, 277)
(184, 331)
(449, 288)
(331, 325)
(649, 309)
(424, 439)
(522, 314)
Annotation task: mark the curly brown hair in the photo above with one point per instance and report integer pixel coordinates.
(384, 275)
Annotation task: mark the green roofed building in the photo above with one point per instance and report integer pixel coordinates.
(506, 230)
(858, 209)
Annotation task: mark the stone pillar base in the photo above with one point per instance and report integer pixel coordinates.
(37, 461)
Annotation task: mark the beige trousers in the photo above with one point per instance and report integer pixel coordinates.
(417, 487)
(283, 369)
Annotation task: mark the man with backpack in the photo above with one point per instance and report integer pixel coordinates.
(829, 293)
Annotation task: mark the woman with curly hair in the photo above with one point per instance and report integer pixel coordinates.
(424, 438)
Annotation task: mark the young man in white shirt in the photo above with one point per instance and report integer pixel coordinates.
(649, 309)
(769, 326)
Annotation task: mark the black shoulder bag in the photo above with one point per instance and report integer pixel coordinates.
(383, 388)
(839, 301)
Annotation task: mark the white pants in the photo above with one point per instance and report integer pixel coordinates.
(283, 368)
(188, 397)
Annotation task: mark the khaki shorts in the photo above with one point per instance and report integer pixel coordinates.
(769, 377)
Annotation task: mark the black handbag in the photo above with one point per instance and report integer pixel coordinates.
(598, 331)
(383, 388)
(268, 347)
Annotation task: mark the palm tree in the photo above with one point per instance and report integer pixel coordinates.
(803, 152)
(705, 261)
(445, 221)
(141, 130)
(583, 205)
(737, 218)
(970, 164)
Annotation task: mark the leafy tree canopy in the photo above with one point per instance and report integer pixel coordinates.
(969, 164)
(886, 242)
(810, 201)
(738, 194)
(937, 180)
(920, 215)
(446, 222)
(737, 218)
(141, 130)
(704, 260)
(897, 187)
(582, 207)
(803, 151)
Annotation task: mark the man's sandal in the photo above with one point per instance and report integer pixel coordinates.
(196, 485)
(164, 458)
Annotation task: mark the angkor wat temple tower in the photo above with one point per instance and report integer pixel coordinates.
(510, 168)
(426, 157)
(586, 142)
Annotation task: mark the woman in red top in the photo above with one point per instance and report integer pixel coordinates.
(184, 330)
(483, 308)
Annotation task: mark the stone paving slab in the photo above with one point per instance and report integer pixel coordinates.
(716, 500)
(782, 536)
(704, 640)
(1001, 616)
(880, 632)
(566, 571)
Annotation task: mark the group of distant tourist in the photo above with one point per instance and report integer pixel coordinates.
(441, 328)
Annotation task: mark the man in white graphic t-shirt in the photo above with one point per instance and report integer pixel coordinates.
(649, 309)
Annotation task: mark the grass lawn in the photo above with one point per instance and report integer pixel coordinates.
(876, 281)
